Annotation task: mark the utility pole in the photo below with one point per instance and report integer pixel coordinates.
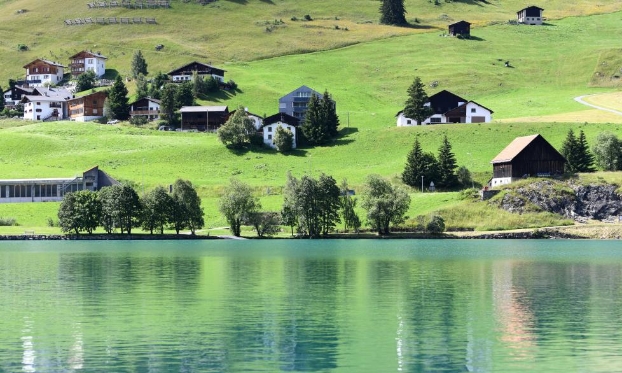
(421, 183)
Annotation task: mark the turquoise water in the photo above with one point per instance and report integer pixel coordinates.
(311, 306)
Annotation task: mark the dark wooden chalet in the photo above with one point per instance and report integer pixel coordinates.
(185, 72)
(87, 107)
(462, 28)
(445, 101)
(526, 156)
(532, 15)
(203, 118)
(147, 107)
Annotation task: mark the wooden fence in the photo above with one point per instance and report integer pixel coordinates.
(110, 21)
(137, 4)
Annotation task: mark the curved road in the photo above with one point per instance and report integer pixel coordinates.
(580, 100)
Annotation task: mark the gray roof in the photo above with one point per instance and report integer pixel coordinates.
(202, 109)
(43, 98)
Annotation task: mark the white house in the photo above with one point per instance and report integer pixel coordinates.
(41, 73)
(87, 61)
(46, 104)
(147, 107)
(185, 73)
(271, 123)
(450, 108)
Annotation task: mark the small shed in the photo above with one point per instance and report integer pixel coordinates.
(462, 28)
(526, 156)
(532, 15)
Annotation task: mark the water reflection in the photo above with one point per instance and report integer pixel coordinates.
(338, 311)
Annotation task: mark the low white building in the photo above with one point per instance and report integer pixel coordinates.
(185, 73)
(271, 123)
(87, 61)
(449, 108)
(42, 73)
(532, 15)
(46, 104)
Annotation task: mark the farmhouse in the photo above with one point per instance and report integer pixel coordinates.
(462, 28)
(203, 118)
(271, 123)
(87, 108)
(526, 156)
(13, 96)
(53, 189)
(40, 73)
(532, 15)
(295, 103)
(87, 61)
(257, 119)
(146, 107)
(450, 108)
(46, 104)
(184, 73)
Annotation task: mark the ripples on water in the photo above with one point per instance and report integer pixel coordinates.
(307, 306)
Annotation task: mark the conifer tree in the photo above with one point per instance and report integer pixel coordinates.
(1, 101)
(329, 112)
(313, 126)
(415, 107)
(139, 65)
(586, 158)
(569, 151)
(413, 170)
(392, 12)
(446, 165)
(142, 88)
(117, 99)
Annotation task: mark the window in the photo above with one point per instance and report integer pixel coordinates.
(270, 129)
(38, 110)
(269, 137)
(435, 120)
(473, 110)
(94, 102)
(408, 121)
(46, 77)
(94, 111)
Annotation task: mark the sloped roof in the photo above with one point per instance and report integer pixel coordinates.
(304, 88)
(146, 98)
(281, 117)
(460, 23)
(52, 63)
(515, 147)
(209, 67)
(203, 109)
(93, 54)
(530, 7)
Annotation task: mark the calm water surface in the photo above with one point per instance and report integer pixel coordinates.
(311, 306)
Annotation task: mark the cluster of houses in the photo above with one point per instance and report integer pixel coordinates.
(531, 15)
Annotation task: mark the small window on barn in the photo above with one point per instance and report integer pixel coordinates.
(94, 102)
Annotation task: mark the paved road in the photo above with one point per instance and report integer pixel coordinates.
(580, 100)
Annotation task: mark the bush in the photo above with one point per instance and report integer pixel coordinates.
(52, 223)
(22, 47)
(232, 85)
(139, 120)
(436, 225)
(7, 222)
(308, 18)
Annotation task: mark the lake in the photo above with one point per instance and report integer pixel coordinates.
(311, 306)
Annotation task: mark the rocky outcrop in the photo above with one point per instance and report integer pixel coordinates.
(572, 201)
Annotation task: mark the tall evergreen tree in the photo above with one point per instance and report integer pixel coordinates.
(142, 88)
(157, 83)
(586, 158)
(329, 112)
(1, 101)
(569, 151)
(415, 107)
(392, 12)
(168, 94)
(418, 164)
(117, 99)
(139, 65)
(446, 165)
(314, 127)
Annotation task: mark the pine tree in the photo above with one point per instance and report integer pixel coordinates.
(139, 65)
(413, 170)
(1, 101)
(167, 103)
(446, 165)
(585, 157)
(392, 12)
(569, 151)
(415, 107)
(117, 99)
(142, 88)
(330, 114)
(314, 126)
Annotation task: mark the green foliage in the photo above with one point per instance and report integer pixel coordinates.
(283, 139)
(464, 177)
(321, 120)
(418, 164)
(157, 83)
(79, 211)
(139, 120)
(586, 159)
(1, 100)
(569, 151)
(187, 206)
(85, 81)
(415, 107)
(348, 206)
(237, 204)
(577, 153)
(118, 101)
(385, 204)
(139, 64)
(121, 208)
(184, 95)
(436, 225)
(608, 151)
(446, 165)
(142, 87)
(157, 210)
(392, 12)
(168, 103)
(238, 129)
(7, 222)
(265, 223)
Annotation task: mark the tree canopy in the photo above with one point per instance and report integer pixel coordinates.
(157, 210)
(392, 12)
(188, 205)
(321, 121)
(118, 101)
(608, 151)
(283, 139)
(415, 106)
(385, 204)
(237, 204)
(446, 165)
(238, 130)
(419, 164)
(79, 211)
(86, 81)
(139, 64)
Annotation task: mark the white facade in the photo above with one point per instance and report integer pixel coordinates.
(42, 108)
(37, 78)
(188, 78)
(96, 64)
(530, 20)
(498, 181)
(474, 113)
(270, 130)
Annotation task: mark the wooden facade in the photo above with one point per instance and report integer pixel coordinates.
(528, 156)
(185, 72)
(87, 107)
(147, 107)
(462, 28)
(203, 118)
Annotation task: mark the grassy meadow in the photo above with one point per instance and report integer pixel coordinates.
(367, 69)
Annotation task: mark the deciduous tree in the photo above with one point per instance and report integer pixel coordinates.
(266, 223)
(238, 130)
(79, 211)
(157, 210)
(348, 204)
(85, 81)
(188, 201)
(121, 208)
(237, 204)
(608, 152)
(283, 139)
(385, 204)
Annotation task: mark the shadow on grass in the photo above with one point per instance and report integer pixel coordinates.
(265, 150)
(473, 2)
(220, 95)
(417, 26)
(241, 2)
(267, 2)
(110, 74)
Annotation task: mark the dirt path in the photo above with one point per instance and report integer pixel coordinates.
(580, 100)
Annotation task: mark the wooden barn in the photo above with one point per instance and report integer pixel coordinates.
(462, 28)
(87, 108)
(526, 156)
(203, 118)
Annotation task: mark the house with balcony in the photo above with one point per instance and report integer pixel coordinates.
(203, 118)
(46, 104)
(295, 103)
(185, 73)
(145, 107)
(449, 108)
(87, 61)
(13, 96)
(42, 73)
(87, 108)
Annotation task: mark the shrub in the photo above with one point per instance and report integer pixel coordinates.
(232, 85)
(294, 18)
(308, 18)
(436, 225)
(52, 223)
(138, 120)
(22, 47)
(7, 222)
